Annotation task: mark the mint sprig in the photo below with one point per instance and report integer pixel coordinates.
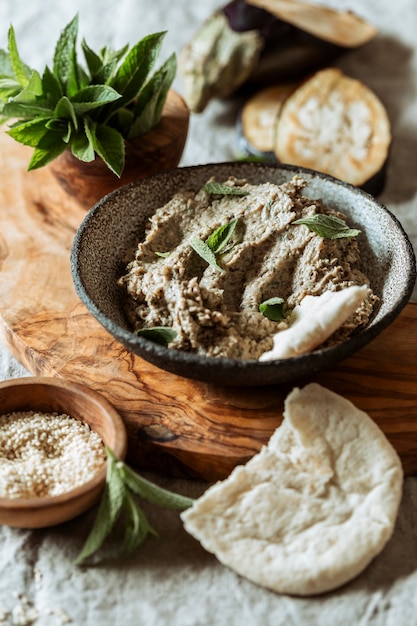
(221, 189)
(219, 242)
(119, 503)
(90, 109)
(273, 309)
(328, 226)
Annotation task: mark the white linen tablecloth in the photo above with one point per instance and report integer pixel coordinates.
(171, 580)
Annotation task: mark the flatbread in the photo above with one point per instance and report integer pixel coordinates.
(312, 509)
(314, 320)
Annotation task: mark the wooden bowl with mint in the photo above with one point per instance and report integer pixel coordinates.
(53, 439)
(242, 273)
(96, 119)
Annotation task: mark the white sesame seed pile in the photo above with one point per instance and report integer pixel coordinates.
(46, 454)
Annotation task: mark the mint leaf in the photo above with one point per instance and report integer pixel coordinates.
(21, 71)
(328, 226)
(108, 143)
(153, 493)
(273, 309)
(219, 239)
(82, 148)
(158, 334)
(110, 506)
(137, 527)
(24, 111)
(93, 97)
(151, 100)
(49, 147)
(29, 133)
(65, 58)
(65, 110)
(9, 87)
(224, 190)
(51, 86)
(136, 66)
(32, 90)
(93, 60)
(205, 252)
(164, 255)
(6, 68)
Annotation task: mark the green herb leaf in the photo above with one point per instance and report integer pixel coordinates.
(82, 145)
(27, 111)
(29, 133)
(219, 239)
(137, 527)
(93, 60)
(65, 58)
(32, 90)
(92, 97)
(110, 506)
(121, 488)
(21, 71)
(49, 147)
(224, 190)
(158, 334)
(148, 109)
(205, 252)
(153, 493)
(64, 109)
(328, 226)
(6, 68)
(108, 143)
(135, 68)
(273, 309)
(164, 255)
(51, 86)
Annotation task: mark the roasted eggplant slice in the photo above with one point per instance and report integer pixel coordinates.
(335, 124)
(242, 44)
(342, 28)
(258, 119)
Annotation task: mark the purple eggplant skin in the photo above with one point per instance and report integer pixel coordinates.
(289, 52)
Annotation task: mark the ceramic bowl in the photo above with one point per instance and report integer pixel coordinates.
(78, 401)
(117, 223)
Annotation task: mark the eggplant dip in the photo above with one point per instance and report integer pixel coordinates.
(222, 272)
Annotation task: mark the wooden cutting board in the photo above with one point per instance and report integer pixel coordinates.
(178, 426)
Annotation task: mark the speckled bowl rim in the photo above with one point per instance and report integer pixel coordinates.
(235, 372)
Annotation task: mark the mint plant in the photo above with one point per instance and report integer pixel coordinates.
(91, 109)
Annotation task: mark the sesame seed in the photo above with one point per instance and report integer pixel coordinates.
(46, 454)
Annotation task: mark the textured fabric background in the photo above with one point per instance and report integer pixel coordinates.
(172, 580)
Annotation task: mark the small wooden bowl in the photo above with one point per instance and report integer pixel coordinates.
(159, 149)
(77, 401)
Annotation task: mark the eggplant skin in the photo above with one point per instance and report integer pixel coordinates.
(288, 53)
(240, 48)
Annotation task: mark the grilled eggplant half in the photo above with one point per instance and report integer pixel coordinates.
(277, 40)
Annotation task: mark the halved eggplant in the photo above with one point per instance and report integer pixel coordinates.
(329, 122)
(257, 121)
(243, 44)
(335, 124)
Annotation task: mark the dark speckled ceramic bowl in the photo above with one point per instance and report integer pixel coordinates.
(117, 223)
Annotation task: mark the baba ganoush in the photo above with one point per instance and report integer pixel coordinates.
(212, 303)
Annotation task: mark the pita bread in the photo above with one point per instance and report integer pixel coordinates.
(314, 320)
(313, 508)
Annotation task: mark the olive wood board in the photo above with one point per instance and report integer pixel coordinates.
(177, 426)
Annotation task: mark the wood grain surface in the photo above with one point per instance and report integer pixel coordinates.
(177, 426)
